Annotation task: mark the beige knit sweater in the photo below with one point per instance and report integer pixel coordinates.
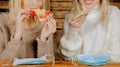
(11, 48)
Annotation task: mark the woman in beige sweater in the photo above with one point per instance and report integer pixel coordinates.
(19, 32)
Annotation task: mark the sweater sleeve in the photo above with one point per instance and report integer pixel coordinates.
(7, 50)
(113, 37)
(46, 47)
(17, 48)
(71, 41)
(2, 38)
(2, 42)
(12, 50)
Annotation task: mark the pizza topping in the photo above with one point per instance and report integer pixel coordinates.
(32, 13)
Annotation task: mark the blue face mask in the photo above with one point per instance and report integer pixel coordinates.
(92, 59)
(31, 60)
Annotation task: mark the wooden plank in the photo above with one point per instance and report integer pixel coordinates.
(60, 5)
(60, 23)
(57, 36)
(4, 4)
(60, 64)
(60, 9)
(59, 14)
(61, 0)
(116, 0)
(47, 4)
(116, 4)
(4, 0)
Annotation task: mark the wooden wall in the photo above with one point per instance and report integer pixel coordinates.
(58, 7)
(3, 5)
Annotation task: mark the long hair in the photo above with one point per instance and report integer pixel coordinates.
(15, 5)
(77, 8)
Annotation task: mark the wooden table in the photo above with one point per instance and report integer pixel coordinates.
(60, 64)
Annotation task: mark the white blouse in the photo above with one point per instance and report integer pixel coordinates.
(93, 37)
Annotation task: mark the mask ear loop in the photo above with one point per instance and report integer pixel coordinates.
(53, 59)
(4, 65)
(73, 61)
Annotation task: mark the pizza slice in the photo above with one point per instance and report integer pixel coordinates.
(40, 13)
(85, 12)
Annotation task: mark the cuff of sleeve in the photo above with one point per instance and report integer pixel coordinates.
(16, 41)
(39, 39)
(73, 32)
(14, 47)
(44, 48)
(12, 38)
(75, 29)
(114, 55)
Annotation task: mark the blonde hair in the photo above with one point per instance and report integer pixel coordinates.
(15, 5)
(77, 8)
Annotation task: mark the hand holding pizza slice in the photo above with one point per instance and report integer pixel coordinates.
(49, 26)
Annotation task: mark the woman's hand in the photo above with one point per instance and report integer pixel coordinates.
(77, 22)
(21, 22)
(48, 28)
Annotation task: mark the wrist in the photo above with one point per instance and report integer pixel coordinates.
(17, 36)
(43, 38)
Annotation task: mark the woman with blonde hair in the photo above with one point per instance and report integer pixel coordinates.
(20, 32)
(91, 27)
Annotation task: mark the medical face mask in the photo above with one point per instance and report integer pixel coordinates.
(32, 60)
(92, 59)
